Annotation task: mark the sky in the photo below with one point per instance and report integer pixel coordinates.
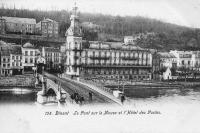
(181, 12)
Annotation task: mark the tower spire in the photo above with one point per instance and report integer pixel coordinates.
(74, 28)
(74, 10)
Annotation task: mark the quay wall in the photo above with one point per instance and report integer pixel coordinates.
(18, 81)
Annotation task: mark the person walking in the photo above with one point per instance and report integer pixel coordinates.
(90, 96)
(122, 99)
(82, 100)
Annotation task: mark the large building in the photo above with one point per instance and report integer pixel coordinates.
(47, 28)
(20, 25)
(102, 59)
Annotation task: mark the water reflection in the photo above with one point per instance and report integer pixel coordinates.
(17, 95)
(135, 92)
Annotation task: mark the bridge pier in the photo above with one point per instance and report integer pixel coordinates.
(51, 92)
(41, 97)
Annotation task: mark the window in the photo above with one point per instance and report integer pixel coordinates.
(188, 62)
(13, 57)
(4, 60)
(31, 53)
(31, 60)
(26, 53)
(69, 45)
(8, 65)
(4, 65)
(76, 46)
(183, 62)
(26, 60)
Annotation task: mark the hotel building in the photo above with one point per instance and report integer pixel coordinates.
(104, 59)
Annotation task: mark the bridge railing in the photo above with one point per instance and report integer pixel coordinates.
(97, 85)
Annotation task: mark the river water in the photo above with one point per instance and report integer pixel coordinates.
(18, 95)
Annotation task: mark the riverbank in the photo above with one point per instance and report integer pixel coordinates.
(154, 85)
(18, 81)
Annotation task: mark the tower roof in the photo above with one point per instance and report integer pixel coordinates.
(75, 28)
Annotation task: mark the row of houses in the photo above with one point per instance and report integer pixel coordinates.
(17, 59)
(15, 25)
(179, 61)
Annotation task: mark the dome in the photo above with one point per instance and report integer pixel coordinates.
(28, 45)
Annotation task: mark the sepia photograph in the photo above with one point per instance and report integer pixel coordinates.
(99, 66)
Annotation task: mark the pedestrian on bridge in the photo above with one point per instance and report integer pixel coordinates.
(72, 97)
(76, 97)
(90, 96)
(122, 99)
(82, 100)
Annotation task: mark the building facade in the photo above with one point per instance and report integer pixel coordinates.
(47, 28)
(2, 25)
(20, 25)
(52, 57)
(104, 60)
(184, 58)
(16, 60)
(29, 56)
(5, 63)
(162, 61)
(197, 60)
(130, 39)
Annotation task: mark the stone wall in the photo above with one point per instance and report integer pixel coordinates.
(22, 81)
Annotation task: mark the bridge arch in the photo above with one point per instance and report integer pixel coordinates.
(51, 92)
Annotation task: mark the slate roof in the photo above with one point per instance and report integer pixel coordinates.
(50, 49)
(5, 52)
(49, 20)
(166, 55)
(20, 20)
(16, 50)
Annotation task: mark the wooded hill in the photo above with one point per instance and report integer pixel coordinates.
(167, 36)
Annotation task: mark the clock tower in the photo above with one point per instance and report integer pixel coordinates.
(73, 45)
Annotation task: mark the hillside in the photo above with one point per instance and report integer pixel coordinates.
(115, 27)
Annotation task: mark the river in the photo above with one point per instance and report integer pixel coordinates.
(18, 95)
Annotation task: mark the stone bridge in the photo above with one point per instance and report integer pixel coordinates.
(51, 91)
